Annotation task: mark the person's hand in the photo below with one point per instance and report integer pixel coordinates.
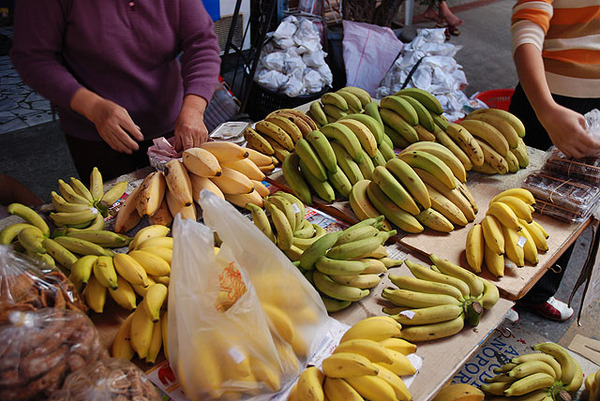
(190, 130)
(567, 130)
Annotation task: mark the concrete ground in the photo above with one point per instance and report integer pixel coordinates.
(37, 156)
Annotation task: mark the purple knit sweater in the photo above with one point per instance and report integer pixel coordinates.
(124, 50)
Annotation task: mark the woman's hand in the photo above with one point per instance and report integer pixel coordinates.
(567, 130)
(113, 123)
(190, 130)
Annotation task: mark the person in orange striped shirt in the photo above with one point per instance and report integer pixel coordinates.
(556, 50)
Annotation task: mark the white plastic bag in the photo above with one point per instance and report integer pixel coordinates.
(216, 351)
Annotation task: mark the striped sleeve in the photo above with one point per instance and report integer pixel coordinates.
(530, 22)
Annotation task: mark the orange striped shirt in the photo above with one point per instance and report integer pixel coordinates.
(567, 32)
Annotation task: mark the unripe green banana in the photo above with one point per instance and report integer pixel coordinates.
(331, 267)
(318, 249)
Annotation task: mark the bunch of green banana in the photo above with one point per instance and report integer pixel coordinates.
(144, 331)
(507, 230)
(79, 207)
(438, 301)
(125, 276)
(345, 265)
(367, 364)
(549, 374)
(28, 235)
(333, 106)
(276, 135)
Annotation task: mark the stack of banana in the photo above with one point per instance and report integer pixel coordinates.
(344, 265)
(438, 301)
(459, 392)
(550, 374)
(366, 365)
(333, 106)
(507, 230)
(224, 168)
(124, 276)
(592, 385)
(276, 135)
(80, 207)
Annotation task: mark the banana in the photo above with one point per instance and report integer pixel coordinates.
(178, 182)
(284, 232)
(260, 219)
(141, 331)
(61, 205)
(386, 150)
(520, 152)
(96, 184)
(524, 194)
(151, 193)
(258, 158)
(499, 123)
(504, 213)
(425, 273)
(373, 388)
(354, 103)
(69, 193)
(372, 350)
(357, 232)
(81, 270)
(474, 282)
(425, 98)
(433, 331)
(95, 295)
(505, 115)
(256, 141)
(355, 249)
(30, 216)
(326, 156)
(540, 356)
(492, 234)
(374, 125)
(225, 151)
(512, 162)
(31, 239)
(529, 248)
(297, 206)
(451, 211)
(323, 189)
(199, 183)
(152, 264)
(104, 271)
(426, 286)
(444, 154)
(434, 220)
(131, 270)
(423, 134)
(492, 157)
(81, 218)
(495, 388)
(60, 254)
(317, 113)
(310, 384)
(456, 150)
(406, 133)
(486, 168)
(155, 297)
(416, 299)
(400, 390)
(341, 365)
(399, 345)
(363, 133)
(567, 363)
(388, 183)
(318, 249)
(305, 123)
(309, 157)
(337, 291)
(428, 315)
(513, 250)
(261, 188)
(360, 93)
(536, 234)
(114, 193)
(81, 190)
(521, 209)
(361, 205)
(336, 100)
(248, 168)
(474, 248)
(374, 266)
(493, 261)
(528, 384)
(459, 392)
(295, 179)
(527, 368)
(124, 295)
(274, 132)
(121, 345)
(346, 163)
(233, 182)
(287, 125)
(82, 247)
(147, 233)
(465, 140)
(344, 135)
(488, 133)
(397, 216)
(11, 232)
(430, 163)
(156, 343)
(402, 107)
(340, 390)
(376, 328)
(340, 182)
(128, 216)
(410, 180)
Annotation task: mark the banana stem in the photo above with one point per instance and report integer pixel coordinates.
(473, 311)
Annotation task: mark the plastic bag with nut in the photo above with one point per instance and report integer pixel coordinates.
(40, 348)
(26, 284)
(243, 321)
(107, 380)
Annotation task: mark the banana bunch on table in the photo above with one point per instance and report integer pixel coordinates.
(276, 135)
(438, 301)
(367, 364)
(125, 276)
(459, 392)
(333, 106)
(549, 374)
(507, 230)
(78, 206)
(592, 385)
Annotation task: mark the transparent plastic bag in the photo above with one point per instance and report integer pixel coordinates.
(106, 380)
(242, 321)
(27, 284)
(40, 348)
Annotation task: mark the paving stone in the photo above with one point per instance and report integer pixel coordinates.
(12, 125)
(8, 104)
(36, 119)
(41, 105)
(33, 96)
(22, 112)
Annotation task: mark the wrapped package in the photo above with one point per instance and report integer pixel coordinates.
(585, 170)
(40, 348)
(109, 379)
(27, 285)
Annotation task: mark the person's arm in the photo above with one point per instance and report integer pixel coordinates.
(200, 63)
(566, 128)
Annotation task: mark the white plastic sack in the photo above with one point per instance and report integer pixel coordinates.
(369, 51)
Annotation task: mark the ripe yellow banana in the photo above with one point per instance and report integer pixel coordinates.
(459, 392)
(105, 273)
(521, 208)
(400, 389)
(340, 390)
(505, 115)
(500, 123)
(425, 273)
(341, 365)
(60, 254)
(414, 299)
(465, 140)
(434, 220)
(530, 367)
(372, 388)
(256, 141)
(128, 216)
(521, 193)
(376, 328)
(124, 295)
(114, 193)
(95, 295)
(430, 163)
(155, 297)
(310, 384)
(428, 286)
(225, 151)
(31, 239)
(490, 296)
(505, 215)
(30, 216)
(433, 331)
(529, 248)
(536, 234)
(141, 331)
(233, 182)
(131, 270)
(568, 364)
(327, 286)
(474, 247)
(492, 234)
(493, 261)
(487, 133)
(448, 209)
(69, 193)
(444, 154)
(148, 232)
(453, 195)
(449, 143)
(363, 133)
(156, 343)
(152, 264)
(151, 193)
(428, 315)
(529, 384)
(345, 136)
(473, 281)
(178, 182)
(96, 184)
(121, 346)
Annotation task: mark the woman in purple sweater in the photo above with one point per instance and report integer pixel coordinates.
(112, 70)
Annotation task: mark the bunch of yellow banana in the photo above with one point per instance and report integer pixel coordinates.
(79, 207)
(550, 374)
(592, 385)
(345, 265)
(366, 365)
(438, 301)
(507, 230)
(333, 106)
(125, 276)
(459, 392)
(144, 331)
(276, 135)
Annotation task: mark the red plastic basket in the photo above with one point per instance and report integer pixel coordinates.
(496, 98)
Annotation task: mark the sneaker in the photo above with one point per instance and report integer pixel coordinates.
(554, 309)
(512, 316)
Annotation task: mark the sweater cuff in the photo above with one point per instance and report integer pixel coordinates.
(204, 91)
(527, 32)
